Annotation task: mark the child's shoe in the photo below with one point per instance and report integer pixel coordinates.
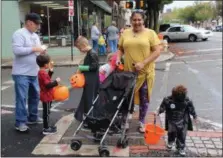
(182, 152)
(50, 130)
(169, 146)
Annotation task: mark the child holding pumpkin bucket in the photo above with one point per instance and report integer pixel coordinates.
(178, 108)
(90, 70)
(46, 90)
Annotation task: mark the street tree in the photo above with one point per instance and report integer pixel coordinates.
(153, 9)
(218, 10)
(204, 11)
(171, 16)
(187, 14)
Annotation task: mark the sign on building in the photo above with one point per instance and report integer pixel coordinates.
(71, 8)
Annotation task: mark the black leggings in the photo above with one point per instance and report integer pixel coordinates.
(46, 113)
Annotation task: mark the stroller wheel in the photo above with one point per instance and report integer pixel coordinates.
(103, 152)
(125, 143)
(122, 143)
(75, 145)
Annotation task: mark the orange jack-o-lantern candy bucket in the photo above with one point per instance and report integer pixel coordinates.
(60, 93)
(121, 67)
(77, 80)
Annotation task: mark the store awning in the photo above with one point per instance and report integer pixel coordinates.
(103, 5)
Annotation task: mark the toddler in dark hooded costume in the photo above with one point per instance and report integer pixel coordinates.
(90, 69)
(178, 108)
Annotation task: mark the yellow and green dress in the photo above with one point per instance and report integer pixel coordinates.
(136, 48)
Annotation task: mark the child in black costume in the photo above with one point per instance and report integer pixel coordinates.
(178, 108)
(90, 69)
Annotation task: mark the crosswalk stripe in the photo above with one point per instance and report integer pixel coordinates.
(6, 112)
(9, 82)
(4, 87)
(13, 106)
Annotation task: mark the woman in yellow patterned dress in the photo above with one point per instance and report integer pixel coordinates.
(140, 47)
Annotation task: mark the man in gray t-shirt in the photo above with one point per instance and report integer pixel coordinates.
(26, 46)
(112, 33)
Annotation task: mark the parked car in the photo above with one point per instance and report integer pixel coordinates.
(164, 27)
(218, 28)
(186, 32)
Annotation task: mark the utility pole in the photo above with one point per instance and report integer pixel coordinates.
(75, 20)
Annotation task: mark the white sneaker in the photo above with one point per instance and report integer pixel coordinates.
(136, 108)
(22, 128)
(130, 116)
(169, 146)
(182, 152)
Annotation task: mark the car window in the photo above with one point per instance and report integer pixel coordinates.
(189, 28)
(178, 29)
(173, 29)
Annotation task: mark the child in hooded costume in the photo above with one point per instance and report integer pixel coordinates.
(106, 69)
(90, 69)
(178, 108)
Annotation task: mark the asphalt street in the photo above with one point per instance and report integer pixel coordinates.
(200, 72)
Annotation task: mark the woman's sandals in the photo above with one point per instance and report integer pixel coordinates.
(141, 127)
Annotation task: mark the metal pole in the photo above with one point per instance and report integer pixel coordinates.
(72, 38)
(48, 22)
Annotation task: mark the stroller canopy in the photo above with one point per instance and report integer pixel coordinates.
(117, 86)
(123, 81)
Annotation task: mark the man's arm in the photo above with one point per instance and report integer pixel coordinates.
(18, 46)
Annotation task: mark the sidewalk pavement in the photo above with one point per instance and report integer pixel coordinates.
(199, 143)
(65, 59)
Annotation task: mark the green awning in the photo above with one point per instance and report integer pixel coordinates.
(103, 5)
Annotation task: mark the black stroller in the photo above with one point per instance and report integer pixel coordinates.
(109, 113)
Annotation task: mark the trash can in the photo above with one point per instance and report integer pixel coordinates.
(63, 41)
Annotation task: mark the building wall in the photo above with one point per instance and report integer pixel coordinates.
(24, 8)
(10, 23)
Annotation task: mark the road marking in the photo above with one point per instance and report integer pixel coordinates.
(198, 61)
(219, 125)
(56, 105)
(9, 82)
(49, 144)
(6, 111)
(85, 150)
(163, 89)
(215, 124)
(202, 50)
(200, 55)
(193, 70)
(13, 106)
(62, 126)
(208, 109)
(5, 87)
(167, 68)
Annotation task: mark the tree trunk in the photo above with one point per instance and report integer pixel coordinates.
(151, 17)
(156, 16)
(156, 20)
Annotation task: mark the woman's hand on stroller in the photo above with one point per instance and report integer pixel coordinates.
(118, 62)
(139, 66)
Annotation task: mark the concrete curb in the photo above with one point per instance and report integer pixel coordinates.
(166, 57)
